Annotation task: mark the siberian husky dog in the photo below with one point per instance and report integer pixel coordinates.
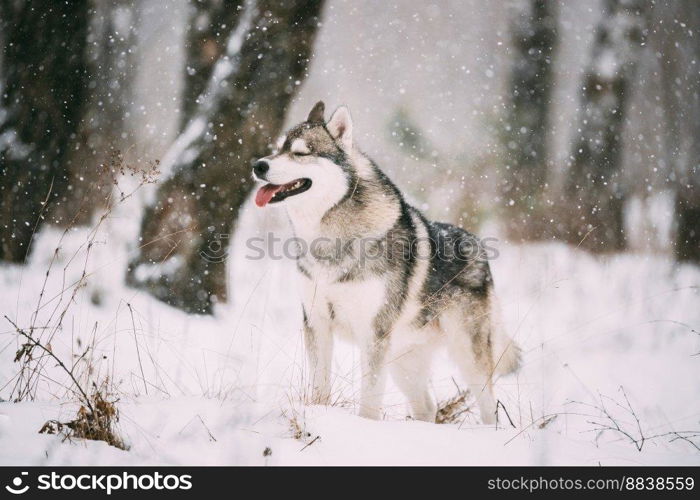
(376, 270)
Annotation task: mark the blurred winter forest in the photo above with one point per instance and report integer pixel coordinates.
(573, 121)
(569, 131)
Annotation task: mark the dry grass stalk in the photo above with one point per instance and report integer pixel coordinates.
(605, 422)
(97, 416)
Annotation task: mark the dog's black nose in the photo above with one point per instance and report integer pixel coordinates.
(260, 168)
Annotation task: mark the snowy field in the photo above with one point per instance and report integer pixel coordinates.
(610, 345)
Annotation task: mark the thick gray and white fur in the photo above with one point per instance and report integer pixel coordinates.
(379, 273)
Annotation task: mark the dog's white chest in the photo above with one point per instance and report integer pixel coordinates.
(357, 302)
(350, 306)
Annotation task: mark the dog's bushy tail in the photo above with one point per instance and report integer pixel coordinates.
(507, 356)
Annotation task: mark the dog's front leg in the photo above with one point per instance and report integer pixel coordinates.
(318, 340)
(373, 378)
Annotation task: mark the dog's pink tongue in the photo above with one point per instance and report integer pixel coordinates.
(265, 194)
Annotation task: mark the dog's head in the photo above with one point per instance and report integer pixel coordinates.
(312, 166)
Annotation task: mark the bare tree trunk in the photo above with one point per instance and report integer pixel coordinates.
(595, 195)
(42, 91)
(688, 228)
(185, 231)
(103, 132)
(534, 38)
(682, 93)
(212, 21)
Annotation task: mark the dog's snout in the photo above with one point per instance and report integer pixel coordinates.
(260, 168)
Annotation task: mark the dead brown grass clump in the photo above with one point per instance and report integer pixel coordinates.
(297, 429)
(451, 411)
(95, 421)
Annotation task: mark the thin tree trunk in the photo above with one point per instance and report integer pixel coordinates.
(185, 231)
(688, 229)
(104, 133)
(592, 211)
(534, 39)
(211, 23)
(682, 91)
(42, 90)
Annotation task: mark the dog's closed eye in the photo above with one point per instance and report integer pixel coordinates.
(299, 148)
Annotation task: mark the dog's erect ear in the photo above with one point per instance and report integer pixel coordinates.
(316, 113)
(340, 126)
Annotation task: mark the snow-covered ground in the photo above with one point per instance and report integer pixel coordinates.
(621, 331)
